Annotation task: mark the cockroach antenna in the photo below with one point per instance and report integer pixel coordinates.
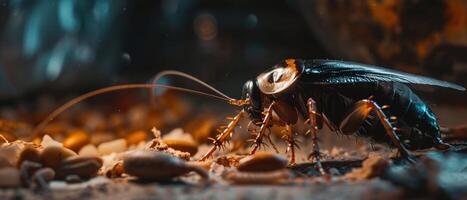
(4, 139)
(39, 128)
(232, 101)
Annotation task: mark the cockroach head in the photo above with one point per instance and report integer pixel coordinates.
(252, 95)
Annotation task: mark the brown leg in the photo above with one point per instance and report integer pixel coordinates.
(362, 109)
(311, 104)
(220, 139)
(264, 126)
(268, 136)
(291, 143)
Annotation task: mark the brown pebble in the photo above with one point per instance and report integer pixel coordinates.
(30, 154)
(52, 156)
(9, 177)
(101, 137)
(262, 162)
(136, 137)
(182, 145)
(76, 140)
(153, 165)
(83, 166)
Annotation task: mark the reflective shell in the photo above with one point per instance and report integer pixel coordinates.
(280, 77)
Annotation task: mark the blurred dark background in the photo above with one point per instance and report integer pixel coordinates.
(71, 46)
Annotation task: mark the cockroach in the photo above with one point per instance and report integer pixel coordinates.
(347, 97)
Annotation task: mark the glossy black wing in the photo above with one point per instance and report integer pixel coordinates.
(342, 72)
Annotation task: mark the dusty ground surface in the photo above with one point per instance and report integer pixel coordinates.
(398, 182)
(355, 169)
(100, 188)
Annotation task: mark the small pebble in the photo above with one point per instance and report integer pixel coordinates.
(182, 145)
(83, 166)
(29, 154)
(262, 162)
(116, 146)
(76, 140)
(101, 137)
(52, 156)
(136, 137)
(153, 165)
(48, 141)
(88, 150)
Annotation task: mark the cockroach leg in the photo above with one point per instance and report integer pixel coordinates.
(291, 143)
(4, 139)
(264, 126)
(268, 137)
(313, 115)
(220, 139)
(360, 112)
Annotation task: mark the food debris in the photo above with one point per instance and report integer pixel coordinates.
(159, 145)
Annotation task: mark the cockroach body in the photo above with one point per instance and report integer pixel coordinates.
(349, 98)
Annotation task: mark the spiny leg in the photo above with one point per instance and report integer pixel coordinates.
(220, 139)
(264, 126)
(291, 143)
(360, 112)
(312, 120)
(268, 136)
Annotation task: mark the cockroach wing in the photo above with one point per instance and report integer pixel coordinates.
(343, 72)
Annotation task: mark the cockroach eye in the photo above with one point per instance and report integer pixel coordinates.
(275, 77)
(271, 78)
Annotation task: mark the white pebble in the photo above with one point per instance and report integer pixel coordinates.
(116, 146)
(89, 150)
(178, 134)
(49, 141)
